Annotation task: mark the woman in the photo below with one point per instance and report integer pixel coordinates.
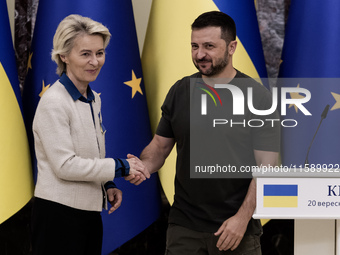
(74, 177)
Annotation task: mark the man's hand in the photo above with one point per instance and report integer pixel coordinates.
(231, 233)
(152, 157)
(115, 197)
(136, 177)
(138, 171)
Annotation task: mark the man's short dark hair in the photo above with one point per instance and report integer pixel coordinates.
(217, 19)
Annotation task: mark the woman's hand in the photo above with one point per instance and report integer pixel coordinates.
(139, 173)
(115, 197)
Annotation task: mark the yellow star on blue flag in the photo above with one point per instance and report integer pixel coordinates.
(134, 83)
(295, 95)
(44, 88)
(337, 99)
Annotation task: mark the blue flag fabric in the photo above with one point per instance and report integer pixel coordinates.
(311, 52)
(124, 108)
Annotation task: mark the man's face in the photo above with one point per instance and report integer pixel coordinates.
(209, 51)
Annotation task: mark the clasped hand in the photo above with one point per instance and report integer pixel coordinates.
(138, 171)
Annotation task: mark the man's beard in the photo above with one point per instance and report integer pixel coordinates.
(214, 69)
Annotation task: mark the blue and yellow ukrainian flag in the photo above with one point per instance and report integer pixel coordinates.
(124, 108)
(16, 183)
(167, 54)
(280, 195)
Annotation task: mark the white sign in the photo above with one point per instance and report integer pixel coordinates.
(297, 198)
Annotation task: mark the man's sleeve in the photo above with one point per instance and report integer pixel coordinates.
(164, 126)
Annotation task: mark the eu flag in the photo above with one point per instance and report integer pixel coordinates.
(16, 183)
(311, 52)
(124, 108)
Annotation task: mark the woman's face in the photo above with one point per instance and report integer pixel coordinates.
(85, 60)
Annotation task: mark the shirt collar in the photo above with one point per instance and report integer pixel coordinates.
(74, 92)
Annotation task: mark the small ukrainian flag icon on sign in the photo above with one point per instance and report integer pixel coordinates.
(280, 195)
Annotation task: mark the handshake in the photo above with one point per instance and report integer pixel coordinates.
(138, 171)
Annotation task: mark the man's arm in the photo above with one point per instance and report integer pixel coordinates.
(266, 158)
(153, 156)
(232, 230)
(263, 158)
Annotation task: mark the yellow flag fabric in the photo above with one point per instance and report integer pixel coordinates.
(16, 181)
(166, 58)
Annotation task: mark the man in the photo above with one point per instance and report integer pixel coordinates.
(212, 216)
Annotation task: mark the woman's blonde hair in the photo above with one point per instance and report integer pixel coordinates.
(68, 29)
